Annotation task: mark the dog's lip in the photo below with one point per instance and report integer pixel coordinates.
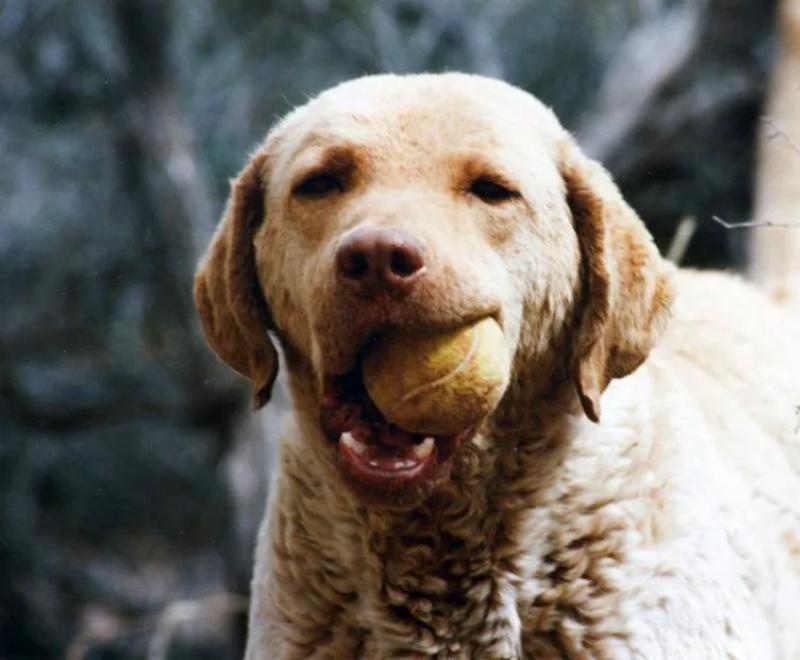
(385, 484)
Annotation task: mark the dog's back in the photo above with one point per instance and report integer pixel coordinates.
(775, 244)
(738, 354)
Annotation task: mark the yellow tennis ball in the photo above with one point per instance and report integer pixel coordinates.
(438, 383)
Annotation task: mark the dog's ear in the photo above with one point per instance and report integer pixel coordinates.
(233, 312)
(627, 286)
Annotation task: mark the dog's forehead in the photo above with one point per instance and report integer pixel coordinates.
(453, 110)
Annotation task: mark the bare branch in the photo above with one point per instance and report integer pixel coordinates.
(776, 132)
(650, 56)
(101, 627)
(755, 223)
(216, 605)
(683, 236)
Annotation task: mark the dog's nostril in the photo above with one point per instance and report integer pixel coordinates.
(358, 265)
(404, 262)
(354, 261)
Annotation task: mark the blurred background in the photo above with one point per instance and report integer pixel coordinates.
(132, 475)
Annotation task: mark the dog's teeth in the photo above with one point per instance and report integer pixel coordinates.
(425, 448)
(351, 443)
(373, 463)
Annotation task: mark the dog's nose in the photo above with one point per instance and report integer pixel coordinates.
(376, 260)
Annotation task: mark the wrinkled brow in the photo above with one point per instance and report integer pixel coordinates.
(471, 165)
(341, 160)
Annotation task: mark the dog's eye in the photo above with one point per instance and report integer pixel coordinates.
(491, 191)
(318, 185)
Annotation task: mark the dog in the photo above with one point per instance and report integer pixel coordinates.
(636, 492)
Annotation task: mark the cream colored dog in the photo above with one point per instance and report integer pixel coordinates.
(614, 505)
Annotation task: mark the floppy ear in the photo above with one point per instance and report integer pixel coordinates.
(628, 289)
(233, 311)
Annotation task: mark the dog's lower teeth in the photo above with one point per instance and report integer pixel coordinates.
(425, 448)
(351, 443)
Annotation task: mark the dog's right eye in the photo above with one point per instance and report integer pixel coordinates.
(318, 185)
(491, 191)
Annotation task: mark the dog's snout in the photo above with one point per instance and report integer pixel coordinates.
(377, 260)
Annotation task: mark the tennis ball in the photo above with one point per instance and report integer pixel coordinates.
(438, 383)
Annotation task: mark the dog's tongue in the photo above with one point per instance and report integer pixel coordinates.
(386, 451)
(389, 437)
(380, 444)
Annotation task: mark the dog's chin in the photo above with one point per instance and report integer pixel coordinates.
(384, 465)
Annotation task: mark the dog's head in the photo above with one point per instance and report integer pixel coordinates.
(425, 202)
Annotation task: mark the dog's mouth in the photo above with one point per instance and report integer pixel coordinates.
(381, 461)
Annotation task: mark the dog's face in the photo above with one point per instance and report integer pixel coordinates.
(425, 202)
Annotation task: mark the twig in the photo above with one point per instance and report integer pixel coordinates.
(755, 223)
(99, 627)
(683, 236)
(182, 611)
(103, 627)
(776, 131)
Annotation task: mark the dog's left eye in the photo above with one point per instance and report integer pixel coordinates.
(490, 191)
(318, 185)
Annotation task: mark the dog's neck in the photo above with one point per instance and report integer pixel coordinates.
(442, 572)
(472, 515)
